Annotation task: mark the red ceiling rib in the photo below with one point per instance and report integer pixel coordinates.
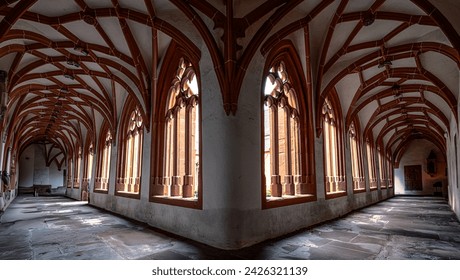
(38, 65)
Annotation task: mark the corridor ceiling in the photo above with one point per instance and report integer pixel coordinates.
(71, 64)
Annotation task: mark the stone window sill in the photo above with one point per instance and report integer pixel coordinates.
(187, 202)
(285, 200)
(336, 194)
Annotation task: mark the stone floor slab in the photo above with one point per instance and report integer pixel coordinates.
(58, 228)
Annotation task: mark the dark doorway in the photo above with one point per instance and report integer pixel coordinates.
(64, 179)
(413, 178)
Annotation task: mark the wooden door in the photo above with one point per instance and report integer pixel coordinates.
(413, 177)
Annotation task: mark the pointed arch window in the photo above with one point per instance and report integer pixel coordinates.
(70, 173)
(77, 171)
(103, 170)
(371, 165)
(89, 162)
(88, 167)
(176, 152)
(455, 165)
(389, 171)
(356, 159)
(129, 179)
(288, 174)
(281, 135)
(182, 143)
(333, 152)
(382, 168)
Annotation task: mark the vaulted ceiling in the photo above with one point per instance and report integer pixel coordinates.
(394, 64)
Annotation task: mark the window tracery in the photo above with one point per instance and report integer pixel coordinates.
(282, 135)
(356, 162)
(129, 179)
(182, 160)
(102, 180)
(371, 165)
(333, 151)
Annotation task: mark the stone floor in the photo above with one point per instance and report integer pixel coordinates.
(53, 228)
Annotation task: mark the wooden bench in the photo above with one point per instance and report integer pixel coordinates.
(41, 189)
(26, 190)
(36, 190)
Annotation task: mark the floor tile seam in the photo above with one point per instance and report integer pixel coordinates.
(115, 249)
(352, 249)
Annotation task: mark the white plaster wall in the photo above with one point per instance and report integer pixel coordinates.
(453, 165)
(232, 216)
(33, 169)
(212, 224)
(416, 155)
(2, 153)
(56, 176)
(257, 224)
(26, 167)
(41, 171)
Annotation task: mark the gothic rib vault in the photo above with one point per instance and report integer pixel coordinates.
(392, 66)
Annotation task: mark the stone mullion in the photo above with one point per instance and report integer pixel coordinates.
(107, 165)
(371, 165)
(276, 187)
(341, 186)
(168, 157)
(187, 187)
(136, 161)
(175, 184)
(128, 166)
(360, 163)
(354, 161)
(327, 155)
(295, 155)
(102, 174)
(300, 178)
(139, 164)
(103, 167)
(331, 157)
(288, 179)
(333, 150)
(129, 163)
(194, 166)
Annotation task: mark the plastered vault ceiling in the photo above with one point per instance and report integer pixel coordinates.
(71, 64)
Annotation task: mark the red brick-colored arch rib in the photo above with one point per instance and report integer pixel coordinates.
(371, 60)
(38, 135)
(64, 110)
(47, 43)
(403, 89)
(10, 19)
(403, 74)
(407, 21)
(90, 47)
(74, 73)
(293, 27)
(396, 109)
(285, 52)
(408, 132)
(167, 74)
(441, 21)
(34, 88)
(46, 124)
(49, 158)
(408, 138)
(430, 10)
(230, 69)
(415, 125)
(55, 61)
(39, 125)
(410, 120)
